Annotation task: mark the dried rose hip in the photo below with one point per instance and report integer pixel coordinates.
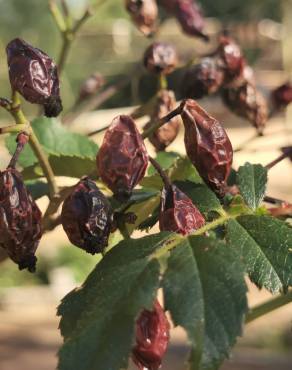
(231, 56)
(203, 79)
(34, 75)
(191, 18)
(122, 159)
(207, 145)
(282, 96)
(160, 57)
(87, 217)
(166, 134)
(144, 14)
(247, 102)
(91, 85)
(178, 213)
(20, 220)
(152, 337)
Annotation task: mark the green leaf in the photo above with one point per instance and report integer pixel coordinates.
(205, 293)
(252, 181)
(37, 188)
(64, 166)
(264, 245)
(201, 195)
(165, 159)
(98, 319)
(56, 140)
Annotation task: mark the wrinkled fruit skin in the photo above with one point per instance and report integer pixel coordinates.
(166, 134)
(207, 145)
(203, 79)
(282, 96)
(91, 86)
(87, 217)
(20, 220)
(191, 18)
(144, 14)
(122, 159)
(178, 213)
(233, 61)
(152, 337)
(247, 102)
(160, 58)
(34, 75)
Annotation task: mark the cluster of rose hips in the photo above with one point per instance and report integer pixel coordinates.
(87, 215)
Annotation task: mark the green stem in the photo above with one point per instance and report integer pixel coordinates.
(269, 306)
(175, 240)
(57, 16)
(15, 129)
(162, 83)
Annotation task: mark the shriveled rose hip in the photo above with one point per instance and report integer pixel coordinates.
(152, 338)
(203, 79)
(282, 96)
(122, 159)
(90, 86)
(20, 220)
(160, 57)
(144, 14)
(34, 75)
(207, 145)
(166, 134)
(87, 217)
(178, 213)
(247, 102)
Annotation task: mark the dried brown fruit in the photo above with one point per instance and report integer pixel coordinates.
(207, 145)
(203, 79)
(144, 14)
(34, 75)
(87, 217)
(160, 57)
(166, 134)
(152, 338)
(91, 85)
(247, 102)
(178, 213)
(122, 159)
(20, 220)
(282, 96)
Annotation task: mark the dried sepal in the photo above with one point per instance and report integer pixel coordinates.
(152, 338)
(122, 159)
(178, 213)
(87, 217)
(207, 145)
(34, 75)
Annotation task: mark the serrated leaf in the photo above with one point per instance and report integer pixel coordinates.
(206, 294)
(264, 245)
(56, 140)
(98, 319)
(201, 195)
(252, 181)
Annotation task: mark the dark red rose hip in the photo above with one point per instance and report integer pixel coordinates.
(166, 134)
(34, 75)
(203, 79)
(152, 338)
(247, 102)
(207, 145)
(178, 213)
(87, 217)
(144, 14)
(160, 57)
(191, 18)
(122, 159)
(282, 96)
(20, 220)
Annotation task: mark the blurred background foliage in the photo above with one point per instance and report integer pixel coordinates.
(110, 44)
